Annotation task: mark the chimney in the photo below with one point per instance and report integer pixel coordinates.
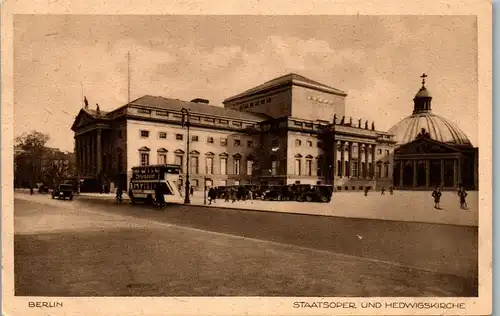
(199, 100)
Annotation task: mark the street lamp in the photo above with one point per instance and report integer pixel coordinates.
(185, 121)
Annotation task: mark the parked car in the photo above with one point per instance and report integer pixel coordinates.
(63, 191)
(43, 189)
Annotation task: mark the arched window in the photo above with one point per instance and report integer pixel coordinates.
(237, 164)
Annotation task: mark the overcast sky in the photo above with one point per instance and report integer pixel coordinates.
(377, 60)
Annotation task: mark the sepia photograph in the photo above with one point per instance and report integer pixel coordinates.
(250, 156)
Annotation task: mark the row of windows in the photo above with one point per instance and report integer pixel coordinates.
(191, 117)
(249, 105)
(352, 168)
(195, 138)
(195, 163)
(308, 143)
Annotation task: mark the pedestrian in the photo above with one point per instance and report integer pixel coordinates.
(191, 191)
(31, 190)
(226, 194)
(462, 195)
(391, 190)
(382, 191)
(119, 194)
(366, 190)
(159, 197)
(436, 194)
(211, 196)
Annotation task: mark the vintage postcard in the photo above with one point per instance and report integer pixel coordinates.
(246, 158)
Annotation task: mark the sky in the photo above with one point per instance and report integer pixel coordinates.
(377, 60)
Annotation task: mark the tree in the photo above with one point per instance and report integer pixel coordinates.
(30, 149)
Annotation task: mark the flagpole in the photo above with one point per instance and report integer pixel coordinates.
(128, 78)
(81, 84)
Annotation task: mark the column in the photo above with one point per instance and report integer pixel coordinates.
(367, 149)
(334, 162)
(415, 173)
(401, 172)
(99, 152)
(373, 162)
(342, 158)
(359, 160)
(349, 169)
(442, 172)
(427, 173)
(460, 171)
(455, 176)
(84, 154)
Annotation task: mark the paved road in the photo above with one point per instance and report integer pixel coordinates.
(95, 247)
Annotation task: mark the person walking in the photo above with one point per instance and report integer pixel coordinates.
(462, 194)
(366, 190)
(119, 194)
(391, 190)
(159, 198)
(382, 191)
(191, 191)
(436, 194)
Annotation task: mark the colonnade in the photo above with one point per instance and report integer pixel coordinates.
(89, 153)
(429, 172)
(365, 153)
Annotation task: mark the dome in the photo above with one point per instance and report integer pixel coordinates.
(439, 129)
(423, 93)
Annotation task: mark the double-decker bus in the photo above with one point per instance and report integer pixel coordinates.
(145, 180)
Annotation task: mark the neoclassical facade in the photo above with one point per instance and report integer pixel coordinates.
(288, 130)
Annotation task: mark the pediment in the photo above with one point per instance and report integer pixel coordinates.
(425, 146)
(82, 119)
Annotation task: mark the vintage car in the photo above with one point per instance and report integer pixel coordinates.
(43, 189)
(63, 191)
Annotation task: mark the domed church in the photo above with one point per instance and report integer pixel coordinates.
(431, 150)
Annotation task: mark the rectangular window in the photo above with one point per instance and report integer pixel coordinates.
(237, 165)
(195, 183)
(249, 143)
(194, 138)
(249, 167)
(237, 124)
(379, 171)
(298, 142)
(195, 165)
(379, 151)
(178, 116)
(298, 167)
(144, 133)
(210, 140)
(309, 167)
(309, 143)
(225, 122)
(209, 165)
(274, 167)
(162, 135)
(268, 100)
(354, 170)
(309, 124)
(297, 123)
(144, 159)
(162, 159)
(179, 161)
(223, 166)
(319, 168)
(179, 136)
(237, 142)
(210, 120)
(386, 171)
(161, 113)
(194, 118)
(223, 141)
(144, 111)
(387, 152)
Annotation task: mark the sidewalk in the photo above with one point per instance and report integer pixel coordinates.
(411, 206)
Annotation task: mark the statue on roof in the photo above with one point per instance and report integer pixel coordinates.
(359, 123)
(342, 120)
(86, 102)
(366, 124)
(350, 120)
(373, 126)
(98, 110)
(423, 134)
(334, 119)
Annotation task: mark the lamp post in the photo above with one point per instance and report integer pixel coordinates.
(185, 121)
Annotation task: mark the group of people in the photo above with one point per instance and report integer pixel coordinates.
(461, 193)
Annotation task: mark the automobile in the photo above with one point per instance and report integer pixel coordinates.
(43, 189)
(63, 191)
(317, 193)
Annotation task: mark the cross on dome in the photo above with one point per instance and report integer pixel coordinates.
(423, 76)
